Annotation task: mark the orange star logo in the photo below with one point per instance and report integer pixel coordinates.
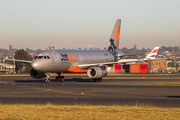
(116, 34)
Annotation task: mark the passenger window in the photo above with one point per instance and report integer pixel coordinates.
(40, 57)
(45, 57)
(48, 57)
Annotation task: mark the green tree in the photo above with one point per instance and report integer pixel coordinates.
(21, 54)
(38, 50)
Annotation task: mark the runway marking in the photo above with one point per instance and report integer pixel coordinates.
(82, 93)
(48, 90)
(57, 91)
(115, 95)
(24, 92)
(2, 82)
(15, 75)
(44, 91)
(122, 96)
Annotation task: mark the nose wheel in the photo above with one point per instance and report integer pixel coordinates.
(47, 80)
(60, 78)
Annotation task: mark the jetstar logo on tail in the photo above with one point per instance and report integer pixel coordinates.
(116, 35)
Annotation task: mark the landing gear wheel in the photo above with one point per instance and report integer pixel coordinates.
(100, 80)
(57, 79)
(95, 80)
(62, 78)
(47, 81)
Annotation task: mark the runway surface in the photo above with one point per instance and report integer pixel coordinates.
(113, 90)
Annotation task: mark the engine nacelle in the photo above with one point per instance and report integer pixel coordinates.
(36, 74)
(96, 72)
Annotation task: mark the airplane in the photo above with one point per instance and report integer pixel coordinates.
(150, 56)
(92, 62)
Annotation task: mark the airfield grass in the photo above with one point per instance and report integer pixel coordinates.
(84, 112)
(170, 83)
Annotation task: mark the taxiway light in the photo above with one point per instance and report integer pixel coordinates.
(143, 76)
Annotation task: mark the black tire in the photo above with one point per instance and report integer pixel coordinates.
(95, 80)
(57, 79)
(48, 81)
(62, 79)
(100, 80)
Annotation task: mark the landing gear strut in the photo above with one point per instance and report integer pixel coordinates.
(59, 78)
(47, 80)
(97, 80)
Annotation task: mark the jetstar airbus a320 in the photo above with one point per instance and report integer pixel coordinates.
(92, 62)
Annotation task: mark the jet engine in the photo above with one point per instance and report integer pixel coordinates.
(36, 74)
(96, 72)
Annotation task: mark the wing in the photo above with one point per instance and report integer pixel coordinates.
(86, 66)
(132, 54)
(24, 61)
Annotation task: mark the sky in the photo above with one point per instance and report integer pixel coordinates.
(37, 24)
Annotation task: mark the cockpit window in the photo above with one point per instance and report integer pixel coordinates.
(40, 57)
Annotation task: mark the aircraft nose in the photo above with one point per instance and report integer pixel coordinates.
(36, 65)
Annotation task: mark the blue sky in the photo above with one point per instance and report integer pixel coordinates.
(68, 24)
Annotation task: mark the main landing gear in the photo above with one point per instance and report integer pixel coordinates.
(97, 80)
(47, 80)
(60, 78)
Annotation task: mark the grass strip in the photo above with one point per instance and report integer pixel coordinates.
(170, 83)
(84, 112)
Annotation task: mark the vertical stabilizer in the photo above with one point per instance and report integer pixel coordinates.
(114, 39)
(152, 54)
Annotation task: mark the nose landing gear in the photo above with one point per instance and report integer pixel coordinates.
(60, 78)
(47, 80)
